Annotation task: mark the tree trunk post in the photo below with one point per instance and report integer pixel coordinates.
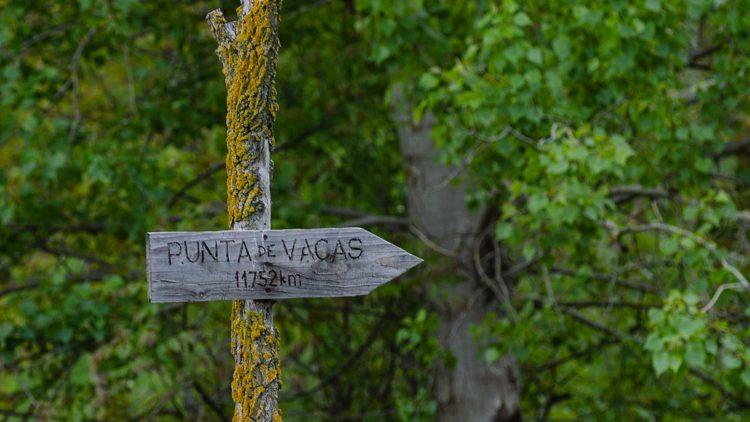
(471, 389)
(248, 49)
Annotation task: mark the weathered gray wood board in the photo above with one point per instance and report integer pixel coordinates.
(270, 264)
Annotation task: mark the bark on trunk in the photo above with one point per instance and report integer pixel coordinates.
(248, 49)
(471, 390)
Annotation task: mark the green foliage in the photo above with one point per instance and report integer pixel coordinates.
(609, 137)
(111, 125)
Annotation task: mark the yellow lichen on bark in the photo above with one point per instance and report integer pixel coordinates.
(256, 368)
(250, 71)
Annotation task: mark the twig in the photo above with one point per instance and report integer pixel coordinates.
(499, 276)
(742, 281)
(131, 82)
(742, 284)
(35, 39)
(344, 212)
(548, 287)
(377, 220)
(620, 194)
(522, 265)
(552, 400)
(362, 218)
(734, 148)
(306, 8)
(213, 168)
(608, 304)
(657, 212)
(606, 279)
(82, 278)
(718, 386)
(353, 357)
(74, 254)
(731, 286)
(501, 296)
(573, 356)
(690, 94)
(483, 141)
(74, 65)
(595, 325)
(430, 244)
(696, 55)
(218, 411)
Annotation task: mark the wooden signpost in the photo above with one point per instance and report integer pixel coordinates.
(252, 264)
(270, 264)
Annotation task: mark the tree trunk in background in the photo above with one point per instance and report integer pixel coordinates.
(472, 390)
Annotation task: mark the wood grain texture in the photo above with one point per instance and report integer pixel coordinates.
(270, 264)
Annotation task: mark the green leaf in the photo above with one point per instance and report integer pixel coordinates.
(402, 335)
(428, 81)
(654, 343)
(80, 372)
(730, 361)
(536, 203)
(669, 245)
(534, 55)
(381, 53)
(730, 343)
(65, 334)
(653, 5)
(6, 329)
(85, 4)
(561, 46)
(691, 299)
(522, 19)
(503, 231)
(421, 316)
(529, 251)
(695, 355)
(711, 346)
(656, 316)
(745, 377)
(661, 362)
(675, 361)
(688, 327)
(491, 355)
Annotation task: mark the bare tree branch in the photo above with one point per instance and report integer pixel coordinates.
(710, 246)
(218, 411)
(204, 175)
(734, 148)
(718, 386)
(620, 194)
(573, 356)
(74, 65)
(695, 56)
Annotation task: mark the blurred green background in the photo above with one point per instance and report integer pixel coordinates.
(599, 150)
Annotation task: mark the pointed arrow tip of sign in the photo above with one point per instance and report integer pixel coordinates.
(413, 260)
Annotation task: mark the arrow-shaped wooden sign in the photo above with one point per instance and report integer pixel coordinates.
(270, 264)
